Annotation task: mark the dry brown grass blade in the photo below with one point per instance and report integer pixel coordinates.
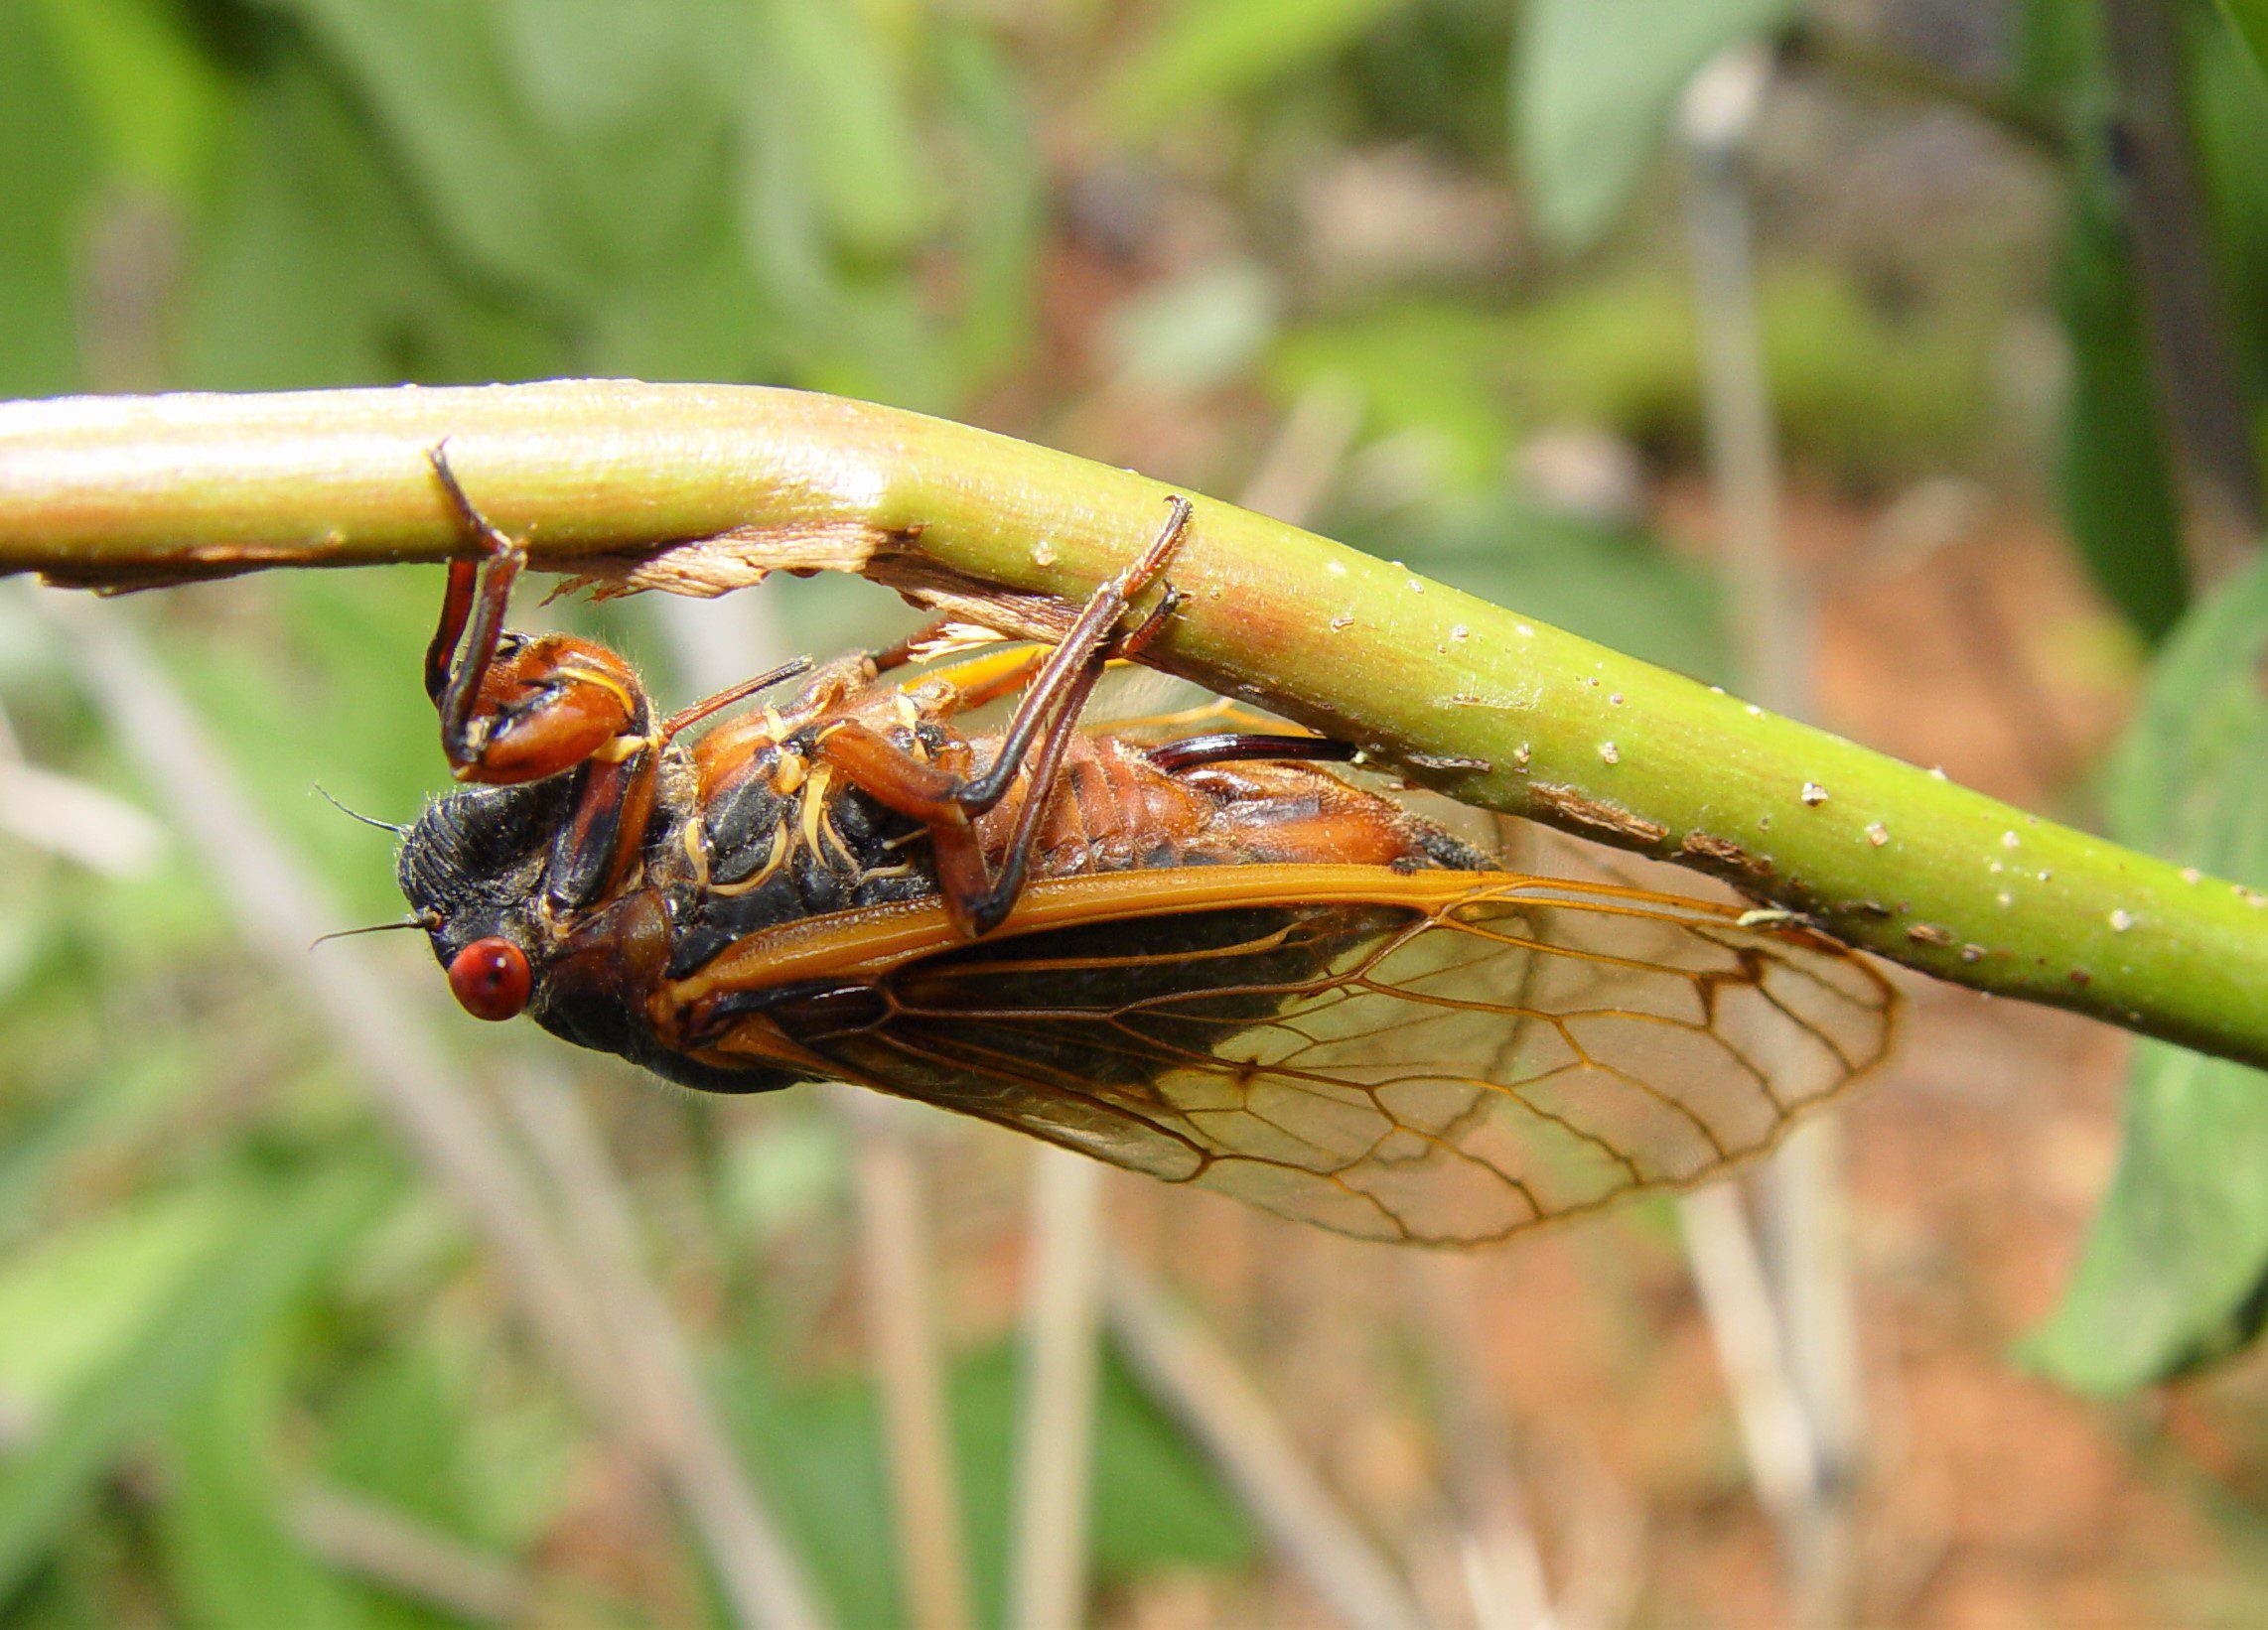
(1803, 1372)
(902, 1328)
(1055, 1430)
(1197, 1382)
(409, 1557)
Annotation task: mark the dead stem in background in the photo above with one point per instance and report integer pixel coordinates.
(1194, 1380)
(281, 906)
(1810, 1362)
(717, 645)
(1502, 1563)
(1055, 1420)
(78, 821)
(901, 1285)
(1062, 1309)
(409, 1557)
(596, 1214)
(1737, 1300)
(73, 819)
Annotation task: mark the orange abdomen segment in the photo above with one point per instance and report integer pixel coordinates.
(1115, 809)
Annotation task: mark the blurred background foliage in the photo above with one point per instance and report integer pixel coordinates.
(1429, 248)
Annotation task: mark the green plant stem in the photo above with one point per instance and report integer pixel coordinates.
(2169, 229)
(702, 488)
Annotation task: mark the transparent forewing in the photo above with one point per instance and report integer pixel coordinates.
(1449, 1071)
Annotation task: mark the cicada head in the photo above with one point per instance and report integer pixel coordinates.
(472, 868)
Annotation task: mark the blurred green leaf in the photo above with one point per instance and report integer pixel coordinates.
(849, 94)
(839, 269)
(78, 1297)
(2250, 20)
(1434, 368)
(277, 1237)
(1002, 222)
(1208, 51)
(143, 1076)
(783, 1174)
(1594, 83)
(155, 96)
(49, 154)
(429, 1425)
(2202, 703)
(230, 1558)
(2174, 1272)
(701, 311)
(432, 74)
(595, 66)
(2119, 494)
(314, 266)
(1197, 332)
(84, 1585)
(2227, 104)
(462, 189)
(2058, 55)
(1435, 73)
(818, 1452)
(399, 1434)
(1868, 394)
(1868, 391)
(1156, 1504)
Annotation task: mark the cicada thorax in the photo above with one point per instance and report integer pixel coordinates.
(771, 835)
(784, 834)
(1110, 809)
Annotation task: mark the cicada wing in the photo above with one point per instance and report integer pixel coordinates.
(1487, 1057)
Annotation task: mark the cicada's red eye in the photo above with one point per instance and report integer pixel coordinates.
(490, 979)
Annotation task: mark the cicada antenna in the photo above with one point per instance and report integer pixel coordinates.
(356, 814)
(427, 920)
(726, 697)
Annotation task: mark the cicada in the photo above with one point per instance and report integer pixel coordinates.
(1215, 958)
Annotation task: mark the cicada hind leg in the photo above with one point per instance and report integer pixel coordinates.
(947, 800)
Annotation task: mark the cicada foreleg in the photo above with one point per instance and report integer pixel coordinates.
(515, 710)
(947, 800)
(474, 596)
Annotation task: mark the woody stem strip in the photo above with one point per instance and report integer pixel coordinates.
(701, 488)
